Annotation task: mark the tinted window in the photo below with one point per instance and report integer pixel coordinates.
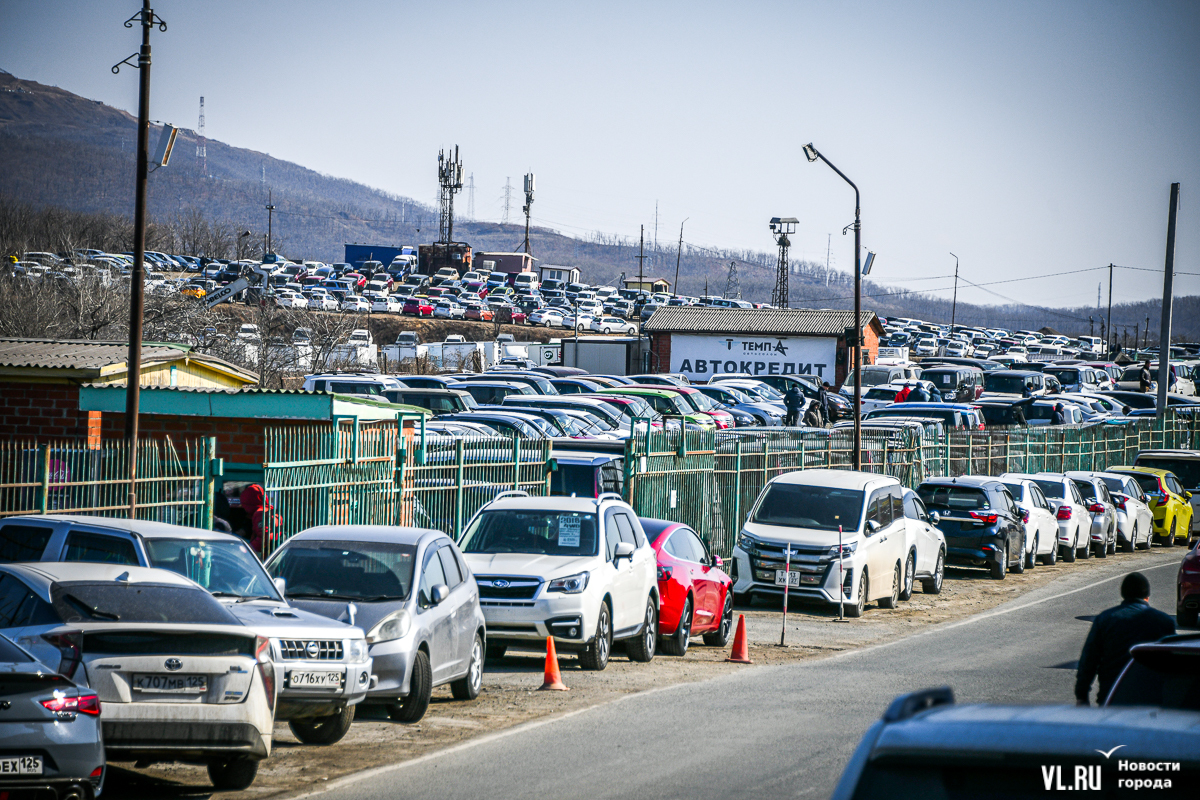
(1086, 489)
(449, 566)
(1016, 490)
(698, 550)
(12, 596)
(1173, 484)
(78, 601)
(612, 536)
(23, 542)
(11, 654)
(431, 576)
(967, 498)
(816, 507)
(552, 533)
(625, 528)
(880, 508)
(345, 570)
(96, 547)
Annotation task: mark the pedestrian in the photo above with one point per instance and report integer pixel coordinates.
(1145, 378)
(1060, 414)
(918, 394)
(902, 395)
(793, 401)
(935, 394)
(827, 411)
(812, 416)
(1114, 631)
(263, 519)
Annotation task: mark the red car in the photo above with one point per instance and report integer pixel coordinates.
(418, 306)
(695, 594)
(1187, 604)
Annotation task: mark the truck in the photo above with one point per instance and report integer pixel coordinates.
(433, 257)
(356, 254)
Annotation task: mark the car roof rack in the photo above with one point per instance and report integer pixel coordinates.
(609, 495)
(909, 705)
(509, 493)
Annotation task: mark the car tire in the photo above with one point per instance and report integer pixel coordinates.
(323, 730)
(1112, 544)
(607, 331)
(1019, 567)
(1102, 548)
(1170, 540)
(467, 687)
(1051, 558)
(1031, 556)
(893, 600)
(720, 637)
(910, 573)
(1131, 545)
(933, 585)
(1000, 568)
(641, 647)
(410, 709)
(1085, 552)
(233, 775)
(1069, 553)
(860, 608)
(595, 656)
(1148, 540)
(677, 643)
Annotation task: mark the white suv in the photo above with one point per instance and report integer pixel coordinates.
(579, 569)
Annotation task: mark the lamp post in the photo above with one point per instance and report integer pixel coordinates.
(812, 154)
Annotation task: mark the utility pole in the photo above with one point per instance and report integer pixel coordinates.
(1108, 324)
(137, 280)
(270, 220)
(1091, 325)
(528, 206)
(507, 197)
(678, 256)
(954, 305)
(201, 142)
(1146, 340)
(641, 288)
(1164, 340)
(733, 288)
(450, 173)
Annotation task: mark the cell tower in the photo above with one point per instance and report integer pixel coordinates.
(507, 198)
(780, 229)
(450, 180)
(471, 196)
(733, 289)
(201, 148)
(528, 205)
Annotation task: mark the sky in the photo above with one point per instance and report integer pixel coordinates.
(1029, 138)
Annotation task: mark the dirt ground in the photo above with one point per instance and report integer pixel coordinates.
(510, 697)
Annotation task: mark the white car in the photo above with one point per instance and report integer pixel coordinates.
(579, 569)
(1070, 510)
(549, 317)
(446, 309)
(926, 546)
(356, 304)
(323, 301)
(248, 331)
(180, 678)
(289, 299)
(585, 321)
(386, 304)
(812, 512)
(1135, 520)
(607, 325)
(1041, 524)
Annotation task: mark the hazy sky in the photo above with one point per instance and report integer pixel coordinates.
(1030, 138)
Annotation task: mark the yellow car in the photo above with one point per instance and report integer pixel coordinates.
(1169, 501)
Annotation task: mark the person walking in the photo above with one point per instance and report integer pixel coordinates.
(1145, 378)
(1114, 631)
(823, 401)
(793, 401)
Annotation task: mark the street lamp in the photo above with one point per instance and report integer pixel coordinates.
(812, 154)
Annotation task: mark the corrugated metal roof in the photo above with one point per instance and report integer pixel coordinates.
(786, 321)
(78, 354)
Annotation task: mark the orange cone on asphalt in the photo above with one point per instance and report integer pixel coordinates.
(553, 680)
(741, 651)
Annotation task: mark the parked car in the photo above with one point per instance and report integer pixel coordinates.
(410, 590)
(733, 399)
(925, 545)
(50, 737)
(812, 512)
(1070, 509)
(957, 383)
(179, 677)
(610, 324)
(356, 304)
(1079, 377)
(1102, 509)
(448, 309)
(982, 523)
(1135, 520)
(1187, 589)
(350, 383)
(1169, 501)
(438, 401)
(553, 566)
(387, 304)
(1041, 524)
(951, 415)
(1185, 466)
(1019, 383)
(548, 317)
(695, 594)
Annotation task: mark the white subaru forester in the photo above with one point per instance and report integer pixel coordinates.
(579, 569)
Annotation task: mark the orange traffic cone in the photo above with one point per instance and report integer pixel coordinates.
(553, 680)
(741, 651)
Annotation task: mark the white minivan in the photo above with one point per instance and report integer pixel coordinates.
(805, 510)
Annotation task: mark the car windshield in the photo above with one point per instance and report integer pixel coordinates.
(224, 568)
(1187, 470)
(11, 654)
(124, 601)
(701, 401)
(548, 533)
(345, 570)
(817, 507)
(1004, 384)
(1064, 375)
(874, 377)
(961, 498)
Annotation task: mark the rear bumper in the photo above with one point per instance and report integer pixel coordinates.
(975, 551)
(70, 752)
(183, 741)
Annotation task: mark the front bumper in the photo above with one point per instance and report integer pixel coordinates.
(755, 575)
(297, 701)
(569, 618)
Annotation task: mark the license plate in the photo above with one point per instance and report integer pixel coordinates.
(314, 680)
(787, 578)
(21, 765)
(176, 684)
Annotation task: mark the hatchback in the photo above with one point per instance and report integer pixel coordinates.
(1169, 501)
(695, 594)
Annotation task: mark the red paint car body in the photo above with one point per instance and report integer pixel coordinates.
(686, 571)
(418, 306)
(1187, 603)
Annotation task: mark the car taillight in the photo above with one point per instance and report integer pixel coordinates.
(266, 668)
(1064, 512)
(987, 519)
(70, 649)
(83, 704)
(1097, 508)
(664, 573)
(1025, 516)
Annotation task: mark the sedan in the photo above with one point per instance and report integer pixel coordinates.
(584, 322)
(1103, 510)
(356, 304)
(1135, 520)
(607, 325)
(386, 304)
(548, 317)
(695, 594)
(1070, 511)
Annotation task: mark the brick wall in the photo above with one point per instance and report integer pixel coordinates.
(43, 410)
(238, 440)
(660, 352)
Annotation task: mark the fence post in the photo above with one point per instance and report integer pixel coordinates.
(459, 459)
(766, 459)
(737, 489)
(43, 466)
(516, 462)
(209, 457)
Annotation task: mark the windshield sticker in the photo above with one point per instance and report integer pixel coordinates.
(568, 531)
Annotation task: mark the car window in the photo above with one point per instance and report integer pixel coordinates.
(1173, 485)
(431, 576)
(612, 535)
(953, 498)
(1051, 488)
(897, 503)
(627, 525)
(910, 506)
(96, 547)
(13, 594)
(1037, 497)
(449, 566)
(23, 542)
(123, 601)
(880, 507)
(699, 551)
(817, 507)
(1004, 500)
(223, 567)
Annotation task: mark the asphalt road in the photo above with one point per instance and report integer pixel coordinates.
(782, 731)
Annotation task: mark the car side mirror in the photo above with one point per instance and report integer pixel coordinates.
(439, 594)
(718, 562)
(1188, 495)
(873, 527)
(624, 550)
(934, 517)
(280, 584)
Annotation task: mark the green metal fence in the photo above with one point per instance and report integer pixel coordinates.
(73, 476)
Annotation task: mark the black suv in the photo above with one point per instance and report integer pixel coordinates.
(982, 523)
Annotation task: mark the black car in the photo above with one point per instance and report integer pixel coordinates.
(981, 522)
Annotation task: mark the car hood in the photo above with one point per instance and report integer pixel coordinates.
(277, 620)
(805, 536)
(366, 615)
(548, 567)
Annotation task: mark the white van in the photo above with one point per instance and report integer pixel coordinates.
(526, 283)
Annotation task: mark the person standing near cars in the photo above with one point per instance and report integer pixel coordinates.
(1114, 631)
(793, 401)
(823, 402)
(1145, 378)
(1060, 414)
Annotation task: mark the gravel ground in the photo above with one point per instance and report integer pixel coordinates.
(510, 695)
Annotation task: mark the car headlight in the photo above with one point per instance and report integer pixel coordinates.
(572, 584)
(357, 652)
(393, 626)
(748, 543)
(847, 550)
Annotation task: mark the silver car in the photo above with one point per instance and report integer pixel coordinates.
(410, 589)
(323, 664)
(50, 729)
(1104, 512)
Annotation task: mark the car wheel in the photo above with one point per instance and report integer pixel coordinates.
(720, 637)
(607, 331)
(1068, 553)
(1112, 543)
(1000, 568)
(860, 608)
(1031, 556)
(420, 686)
(934, 585)
(232, 775)
(677, 643)
(1051, 558)
(910, 572)
(1170, 540)
(595, 656)
(467, 687)
(1019, 566)
(323, 730)
(641, 648)
(1131, 545)
(1085, 552)
(893, 600)
(1149, 538)
(1102, 548)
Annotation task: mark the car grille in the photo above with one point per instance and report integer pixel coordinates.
(298, 649)
(500, 588)
(811, 562)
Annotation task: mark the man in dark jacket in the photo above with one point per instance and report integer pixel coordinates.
(1145, 377)
(918, 394)
(827, 409)
(1106, 651)
(793, 401)
(1060, 414)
